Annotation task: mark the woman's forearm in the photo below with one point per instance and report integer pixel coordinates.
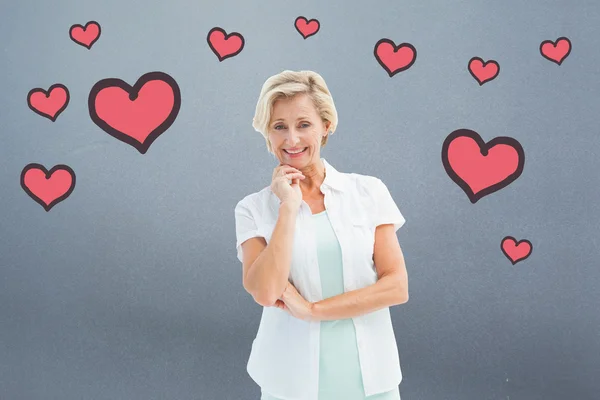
(386, 292)
(268, 275)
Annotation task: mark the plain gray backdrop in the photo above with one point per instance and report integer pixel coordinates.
(130, 288)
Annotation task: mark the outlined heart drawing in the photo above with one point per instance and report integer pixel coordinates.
(138, 114)
(85, 36)
(392, 58)
(481, 168)
(223, 45)
(49, 104)
(483, 71)
(307, 28)
(515, 251)
(556, 51)
(48, 188)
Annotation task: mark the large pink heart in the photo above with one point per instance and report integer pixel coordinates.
(481, 168)
(135, 115)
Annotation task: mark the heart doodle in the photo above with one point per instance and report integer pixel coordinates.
(394, 58)
(138, 114)
(223, 45)
(480, 168)
(483, 71)
(516, 251)
(49, 104)
(85, 36)
(47, 188)
(556, 51)
(307, 28)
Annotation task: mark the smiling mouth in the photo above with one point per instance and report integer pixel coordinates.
(296, 153)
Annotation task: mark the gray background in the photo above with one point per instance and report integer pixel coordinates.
(130, 288)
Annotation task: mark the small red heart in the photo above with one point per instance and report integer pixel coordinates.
(135, 115)
(47, 188)
(556, 51)
(394, 58)
(483, 72)
(514, 251)
(306, 28)
(223, 45)
(85, 36)
(51, 103)
(480, 168)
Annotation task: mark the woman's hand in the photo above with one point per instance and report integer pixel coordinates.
(293, 302)
(285, 190)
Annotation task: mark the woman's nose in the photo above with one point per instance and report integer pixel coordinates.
(292, 137)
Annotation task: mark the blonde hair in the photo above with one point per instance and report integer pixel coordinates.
(288, 84)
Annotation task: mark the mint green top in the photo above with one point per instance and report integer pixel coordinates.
(339, 365)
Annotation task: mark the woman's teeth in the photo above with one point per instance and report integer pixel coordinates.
(296, 151)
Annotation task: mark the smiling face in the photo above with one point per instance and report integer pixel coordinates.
(296, 125)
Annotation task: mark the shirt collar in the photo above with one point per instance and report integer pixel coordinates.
(333, 178)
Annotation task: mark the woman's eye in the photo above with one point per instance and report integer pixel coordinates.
(305, 123)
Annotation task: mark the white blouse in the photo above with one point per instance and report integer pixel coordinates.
(284, 359)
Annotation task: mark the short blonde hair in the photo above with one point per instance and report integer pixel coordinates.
(288, 84)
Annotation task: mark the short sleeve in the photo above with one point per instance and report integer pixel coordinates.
(386, 210)
(245, 226)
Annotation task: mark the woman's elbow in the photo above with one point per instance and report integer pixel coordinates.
(262, 298)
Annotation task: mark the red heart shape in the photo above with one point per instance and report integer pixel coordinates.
(85, 36)
(483, 72)
(556, 51)
(306, 28)
(51, 103)
(223, 45)
(47, 188)
(135, 115)
(394, 58)
(514, 251)
(481, 168)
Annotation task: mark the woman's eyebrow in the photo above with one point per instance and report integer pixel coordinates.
(299, 118)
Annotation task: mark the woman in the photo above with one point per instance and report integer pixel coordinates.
(320, 254)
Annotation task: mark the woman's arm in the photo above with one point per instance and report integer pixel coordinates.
(267, 277)
(390, 289)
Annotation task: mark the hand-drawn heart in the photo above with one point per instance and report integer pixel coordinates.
(480, 168)
(307, 28)
(483, 72)
(394, 58)
(51, 103)
(135, 115)
(556, 51)
(48, 188)
(223, 45)
(514, 251)
(85, 36)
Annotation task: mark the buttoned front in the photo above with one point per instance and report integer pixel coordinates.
(284, 358)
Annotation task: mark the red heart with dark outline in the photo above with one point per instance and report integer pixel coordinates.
(49, 104)
(48, 188)
(135, 115)
(480, 168)
(556, 51)
(394, 58)
(307, 28)
(85, 36)
(516, 251)
(483, 71)
(223, 45)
